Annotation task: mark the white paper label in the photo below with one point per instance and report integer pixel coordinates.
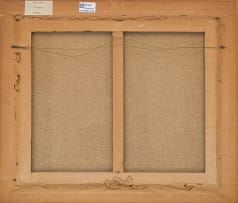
(87, 7)
(39, 7)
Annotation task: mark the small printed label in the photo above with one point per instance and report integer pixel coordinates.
(87, 7)
(39, 7)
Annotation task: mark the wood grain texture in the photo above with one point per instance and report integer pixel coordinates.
(119, 16)
(118, 115)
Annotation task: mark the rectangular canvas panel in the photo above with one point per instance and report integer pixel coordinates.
(164, 102)
(71, 102)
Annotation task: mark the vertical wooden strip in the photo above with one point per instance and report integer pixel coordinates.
(118, 101)
(23, 104)
(211, 100)
(228, 139)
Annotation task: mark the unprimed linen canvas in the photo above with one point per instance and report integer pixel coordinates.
(71, 102)
(164, 102)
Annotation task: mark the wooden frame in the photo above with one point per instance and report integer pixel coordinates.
(23, 104)
(218, 184)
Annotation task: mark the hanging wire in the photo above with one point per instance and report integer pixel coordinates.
(46, 50)
(151, 47)
(138, 45)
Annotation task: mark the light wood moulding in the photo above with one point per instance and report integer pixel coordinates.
(217, 19)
